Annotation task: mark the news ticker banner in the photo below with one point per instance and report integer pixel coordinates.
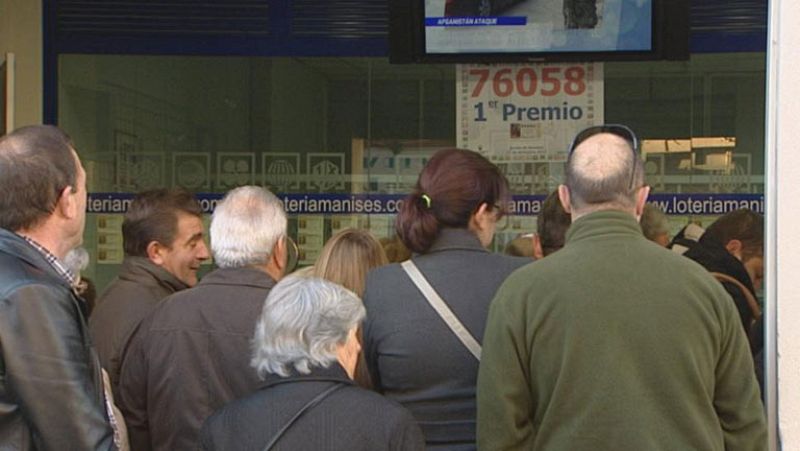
(697, 204)
(526, 112)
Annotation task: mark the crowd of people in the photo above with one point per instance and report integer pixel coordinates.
(595, 332)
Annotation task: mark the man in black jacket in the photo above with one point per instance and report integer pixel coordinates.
(734, 247)
(733, 250)
(51, 389)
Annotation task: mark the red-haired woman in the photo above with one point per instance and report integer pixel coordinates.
(414, 355)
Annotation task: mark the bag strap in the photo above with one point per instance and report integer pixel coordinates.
(752, 302)
(317, 399)
(442, 309)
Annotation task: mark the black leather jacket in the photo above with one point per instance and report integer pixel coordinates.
(51, 389)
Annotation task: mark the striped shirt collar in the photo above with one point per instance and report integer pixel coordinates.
(54, 261)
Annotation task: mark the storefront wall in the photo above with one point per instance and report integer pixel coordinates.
(782, 246)
(21, 34)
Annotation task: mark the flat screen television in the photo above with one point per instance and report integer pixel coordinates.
(476, 31)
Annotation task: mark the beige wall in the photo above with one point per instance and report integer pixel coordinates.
(783, 247)
(21, 34)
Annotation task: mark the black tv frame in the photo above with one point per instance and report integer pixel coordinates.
(407, 39)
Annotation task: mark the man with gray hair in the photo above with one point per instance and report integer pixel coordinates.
(190, 355)
(655, 225)
(306, 349)
(597, 347)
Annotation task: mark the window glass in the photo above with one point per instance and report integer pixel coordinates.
(317, 128)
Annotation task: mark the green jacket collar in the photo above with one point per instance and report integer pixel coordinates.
(603, 223)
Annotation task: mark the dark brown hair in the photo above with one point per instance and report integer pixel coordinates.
(153, 216)
(552, 224)
(450, 189)
(396, 251)
(36, 164)
(743, 225)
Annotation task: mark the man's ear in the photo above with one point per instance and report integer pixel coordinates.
(538, 252)
(734, 247)
(66, 205)
(641, 200)
(563, 196)
(155, 252)
(278, 259)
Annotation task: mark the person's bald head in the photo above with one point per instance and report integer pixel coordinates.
(598, 175)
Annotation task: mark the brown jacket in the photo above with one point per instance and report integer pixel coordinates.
(190, 357)
(137, 289)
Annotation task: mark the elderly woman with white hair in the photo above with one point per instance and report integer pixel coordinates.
(305, 348)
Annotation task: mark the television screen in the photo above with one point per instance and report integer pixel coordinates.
(538, 26)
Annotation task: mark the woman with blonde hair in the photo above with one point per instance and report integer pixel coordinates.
(347, 257)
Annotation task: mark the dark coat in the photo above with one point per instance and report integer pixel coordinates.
(137, 289)
(191, 356)
(349, 419)
(414, 358)
(51, 390)
(715, 258)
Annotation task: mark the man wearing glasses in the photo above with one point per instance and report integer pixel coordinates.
(191, 356)
(598, 348)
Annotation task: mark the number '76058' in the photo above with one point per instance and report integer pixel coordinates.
(550, 81)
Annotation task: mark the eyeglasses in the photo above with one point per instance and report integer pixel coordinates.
(292, 255)
(502, 217)
(620, 130)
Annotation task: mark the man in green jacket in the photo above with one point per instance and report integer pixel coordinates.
(614, 343)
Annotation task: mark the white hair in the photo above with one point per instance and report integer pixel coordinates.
(245, 227)
(303, 321)
(77, 260)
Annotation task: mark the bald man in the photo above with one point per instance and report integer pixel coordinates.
(597, 347)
